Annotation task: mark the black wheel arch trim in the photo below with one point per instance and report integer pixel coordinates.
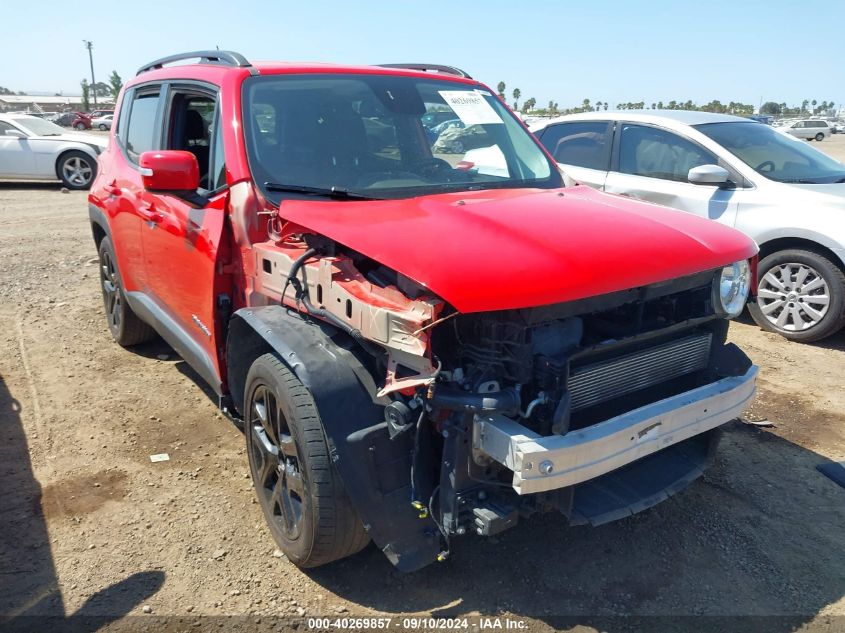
(375, 471)
(98, 220)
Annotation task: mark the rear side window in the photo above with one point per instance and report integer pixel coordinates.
(582, 144)
(655, 153)
(141, 127)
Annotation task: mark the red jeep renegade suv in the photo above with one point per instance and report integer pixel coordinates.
(424, 337)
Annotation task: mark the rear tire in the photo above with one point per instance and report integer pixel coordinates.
(125, 326)
(819, 136)
(79, 126)
(299, 489)
(801, 296)
(103, 127)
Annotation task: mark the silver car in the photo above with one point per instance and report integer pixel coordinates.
(808, 129)
(779, 190)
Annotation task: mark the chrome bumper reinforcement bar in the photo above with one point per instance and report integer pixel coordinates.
(541, 463)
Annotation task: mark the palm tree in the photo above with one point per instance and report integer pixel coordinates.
(598, 105)
(516, 94)
(501, 89)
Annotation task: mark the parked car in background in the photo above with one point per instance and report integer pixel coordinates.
(81, 122)
(783, 193)
(836, 127)
(96, 114)
(65, 119)
(809, 129)
(103, 122)
(35, 149)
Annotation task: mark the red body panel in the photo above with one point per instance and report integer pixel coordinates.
(488, 250)
(503, 249)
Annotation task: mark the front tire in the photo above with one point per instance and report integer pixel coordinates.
(299, 490)
(79, 126)
(76, 170)
(125, 326)
(800, 295)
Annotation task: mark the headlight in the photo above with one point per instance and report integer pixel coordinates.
(731, 289)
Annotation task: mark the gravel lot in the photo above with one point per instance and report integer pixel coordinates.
(90, 527)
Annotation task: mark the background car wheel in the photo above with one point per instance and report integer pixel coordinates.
(79, 126)
(125, 326)
(800, 295)
(819, 136)
(103, 127)
(300, 492)
(76, 170)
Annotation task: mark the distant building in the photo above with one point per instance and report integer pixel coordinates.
(39, 103)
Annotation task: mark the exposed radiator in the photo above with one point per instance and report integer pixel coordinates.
(608, 379)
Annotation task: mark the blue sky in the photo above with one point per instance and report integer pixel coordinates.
(605, 51)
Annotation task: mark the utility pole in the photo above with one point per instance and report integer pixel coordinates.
(89, 45)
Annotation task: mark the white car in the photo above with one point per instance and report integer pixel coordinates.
(809, 129)
(35, 149)
(783, 193)
(103, 122)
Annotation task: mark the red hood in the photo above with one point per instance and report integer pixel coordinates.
(504, 249)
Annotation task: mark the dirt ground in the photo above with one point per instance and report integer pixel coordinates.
(90, 527)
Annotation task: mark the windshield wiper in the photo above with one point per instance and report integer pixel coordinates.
(337, 193)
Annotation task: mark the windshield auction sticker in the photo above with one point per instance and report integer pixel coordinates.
(470, 107)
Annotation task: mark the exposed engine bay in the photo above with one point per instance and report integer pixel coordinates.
(463, 390)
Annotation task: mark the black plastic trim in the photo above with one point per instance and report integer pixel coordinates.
(176, 336)
(219, 58)
(439, 68)
(375, 470)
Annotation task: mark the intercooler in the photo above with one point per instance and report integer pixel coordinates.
(608, 379)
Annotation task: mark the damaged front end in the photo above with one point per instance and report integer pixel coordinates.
(595, 408)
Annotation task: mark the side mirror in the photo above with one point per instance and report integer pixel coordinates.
(708, 175)
(170, 170)
(15, 134)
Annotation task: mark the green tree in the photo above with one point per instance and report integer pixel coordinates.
(501, 89)
(814, 106)
(100, 89)
(585, 105)
(804, 105)
(115, 84)
(86, 95)
(529, 104)
(6, 91)
(517, 93)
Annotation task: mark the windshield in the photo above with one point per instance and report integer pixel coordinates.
(384, 136)
(40, 127)
(773, 154)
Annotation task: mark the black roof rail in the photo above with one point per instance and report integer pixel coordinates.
(437, 68)
(221, 58)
